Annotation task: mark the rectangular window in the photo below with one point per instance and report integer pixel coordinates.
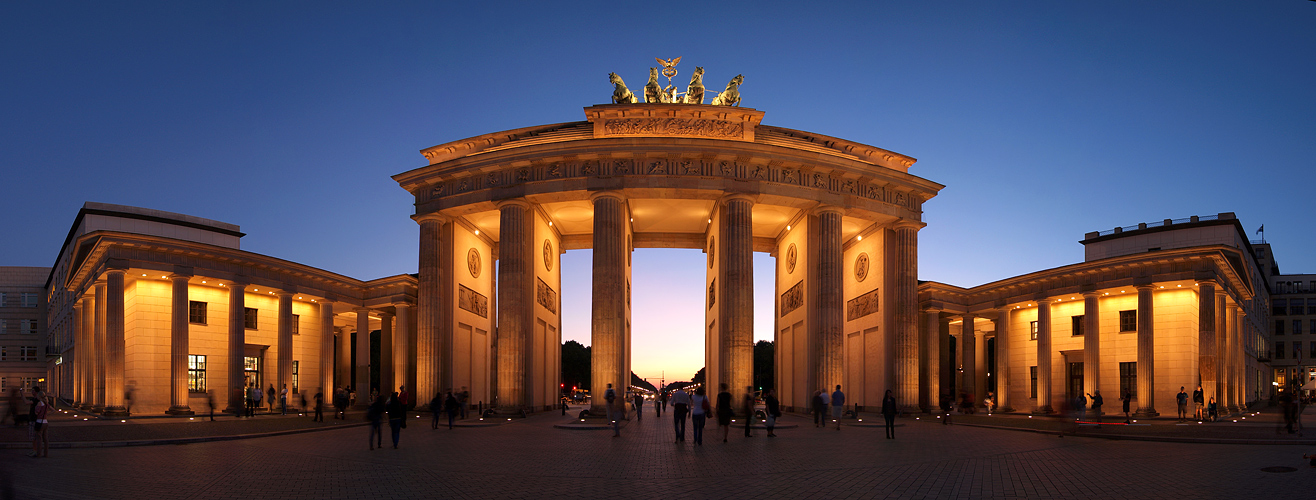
(295, 378)
(27, 326)
(4, 326)
(1032, 331)
(1129, 378)
(1032, 375)
(1311, 303)
(1279, 327)
(29, 299)
(1297, 327)
(1296, 309)
(1078, 325)
(196, 372)
(4, 297)
(1297, 350)
(1278, 307)
(1313, 351)
(27, 353)
(296, 325)
(196, 312)
(1129, 321)
(249, 318)
(1279, 350)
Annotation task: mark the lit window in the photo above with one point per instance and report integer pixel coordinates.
(196, 373)
(296, 379)
(1129, 378)
(296, 325)
(249, 318)
(1032, 330)
(27, 353)
(27, 326)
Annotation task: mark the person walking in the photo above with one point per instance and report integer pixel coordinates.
(397, 418)
(1081, 404)
(283, 398)
(889, 414)
(657, 406)
(1199, 403)
(436, 409)
(680, 406)
(772, 411)
(210, 401)
(375, 414)
(700, 408)
(404, 396)
(453, 407)
(1096, 404)
(464, 399)
(819, 408)
(1182, 398)
(838, 405)
(662, 396)
(270, 399)
(351, 397)
(724, 411)
(319, 406)
(747, 408)
(638, 401)
(40, 410)
(1126, 399)
(610, 399)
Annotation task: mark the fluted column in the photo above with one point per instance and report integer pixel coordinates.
(1240, 329)
(906, 314)
(1003, 360)
(362, 367)
(737, 301)
(930, 392)
(386, 383)
(98, 330)
(1091, 342)
(515, 301)
(1146, 354)
(327, 349)
(178, 346)
(114, 347)
(1206, 338)
(80, 349)
(283, 344)
(1043, 356)
(1232, 346)
(608, 316)
(237, 344)
(1221, 349)
(968, 355)
(828, 336)
(402, 353)
(343, 369)
(429, 310)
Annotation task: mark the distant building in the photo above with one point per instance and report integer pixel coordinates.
(22, 327)
(1293, 313)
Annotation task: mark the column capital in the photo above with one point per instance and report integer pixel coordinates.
(176, 276)
(431, 217)
(285, 293)
(403, 304)
(737, 196)
(616, 195)
(1205, 283)
(1045, 302)
(827, 209)
(77, 304)
(1145, 286)
(1091, 293)
(908, 224)
(513, 202)
(115, 270)
(1221, 292)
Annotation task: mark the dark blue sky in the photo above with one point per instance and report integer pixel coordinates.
(1045, 120)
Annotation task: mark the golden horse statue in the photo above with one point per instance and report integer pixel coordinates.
(694, 94)
(730, 96)
(621, 94)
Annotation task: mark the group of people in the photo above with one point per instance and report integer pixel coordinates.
(255, 398)
(698, 407)
(395, 408)
(1202, 410)
(821, 401)
(37, 410)
(452, 404)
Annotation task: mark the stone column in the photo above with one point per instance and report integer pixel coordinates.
(386, 383)
(284, 346)
(1003, 360)
(930, 393)
(1146, 354)
(1043, 356)
(179, 346)
(1232, 346)
(237, 344)
(1221, 350)
(114, 346)
(968, 356)
(906, 313)
(327, 350)
(1240, 327)
(363, 360)
(516, 301)
(98, 329)
(737, 301)
(1091, 343)
(429, 315)
(79, 356)
(402, 353)
(1206, 339)
(343, 369)
(608, 321)
(830, 363)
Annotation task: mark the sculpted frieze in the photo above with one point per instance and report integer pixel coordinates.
(674, 126)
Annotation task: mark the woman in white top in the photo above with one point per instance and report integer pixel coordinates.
(700, 407)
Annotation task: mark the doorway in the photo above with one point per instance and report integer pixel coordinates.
(1074, 381)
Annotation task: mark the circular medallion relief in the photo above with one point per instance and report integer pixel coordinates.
(548, 255)
(861, 267)
(473, 262)
(790, 259)
(710, 253)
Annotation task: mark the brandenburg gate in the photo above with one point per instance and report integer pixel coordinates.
(841, 219)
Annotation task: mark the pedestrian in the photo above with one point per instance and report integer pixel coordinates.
(436, 409)
(747, 408)
(724, 411)
(638, 401)
(1096, 404)
(283, 398)
(397, 418)
(1182, 398)
(889, 414)
(340, 403)
(40, 408)
(453, 408)
(210, 401)
(945, 408)
(1211, 410)
(610, 400)
(1125, 400)
(464, 399)
(1081, 404)
(663, 396)
(819, 407)
(1199, 403)
(375, 415)
(772, 411)
(128, 398)
(404, 396)
(838, 404)
(700, 409)
(319, 405)
(351, 397)
(680, 407)
(657, 406)
(256, 397)
(270, 400)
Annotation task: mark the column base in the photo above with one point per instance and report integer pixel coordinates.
(115, 411)
(1043, 410)
(1005, 409)
(1146, 413)
(180, 410)
(907, 409)
(96, 408)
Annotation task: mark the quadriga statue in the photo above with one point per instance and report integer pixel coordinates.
(620, 94)
(653, 92)
(730, 96)
(694, 94)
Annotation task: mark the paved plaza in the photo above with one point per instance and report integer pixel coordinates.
(532, 459)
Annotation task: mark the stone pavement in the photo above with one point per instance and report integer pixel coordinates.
(531, 459)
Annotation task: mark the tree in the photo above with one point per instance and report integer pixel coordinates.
(641, 383)
(698, 378)
(575, 365)
(764, 365)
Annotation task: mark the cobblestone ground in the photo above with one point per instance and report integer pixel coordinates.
(532, 459)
